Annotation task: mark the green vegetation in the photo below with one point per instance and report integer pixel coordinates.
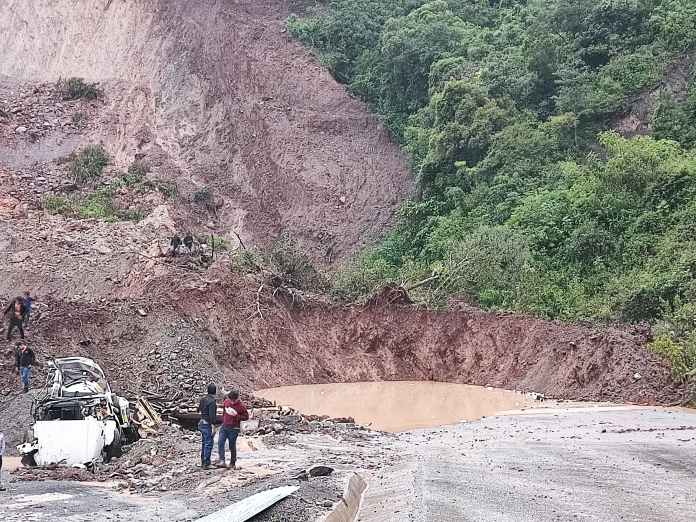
(88, 164)
(136, 178)
(202, 197)
(526, 198)
(216, 243)
(168, 189)
(285, 263)
(94, 205)
(136, 173)
(76, 88)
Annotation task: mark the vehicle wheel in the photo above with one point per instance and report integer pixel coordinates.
(28, 461)
(130, 435)
(114, 449)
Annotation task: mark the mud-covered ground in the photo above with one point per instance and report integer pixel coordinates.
(159, 478)
(595, 463)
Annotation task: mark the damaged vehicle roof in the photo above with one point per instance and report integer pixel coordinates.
(78, 377)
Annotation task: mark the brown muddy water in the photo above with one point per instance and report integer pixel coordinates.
(400, 405)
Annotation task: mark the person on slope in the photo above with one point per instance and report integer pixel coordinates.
(24, 360)
(2, 453)
(233, 413)
(16, 311)
(188, 242)
(207, 407)
(174, 244)
(28, 301)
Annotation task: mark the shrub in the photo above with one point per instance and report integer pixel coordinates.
(79, 120)
(76, 88)
(362, 277)
(248, 261)
(202, 196)
(136, 173)
(216, 243)
(89, 163)
(294, 267)
(57, 204)
(97, 205)
(682, 355)
(168, 189)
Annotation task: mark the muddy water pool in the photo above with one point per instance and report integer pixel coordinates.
(400, 405)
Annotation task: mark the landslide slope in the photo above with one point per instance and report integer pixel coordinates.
(215, 95)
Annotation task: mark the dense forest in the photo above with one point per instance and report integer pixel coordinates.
(554, 144)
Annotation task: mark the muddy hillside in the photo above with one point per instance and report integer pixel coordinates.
(221, 327)
(216, 98)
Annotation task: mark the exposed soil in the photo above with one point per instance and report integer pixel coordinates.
(637, 120)
(214, 94)
(218, 331)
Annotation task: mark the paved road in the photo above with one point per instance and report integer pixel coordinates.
(615, 465)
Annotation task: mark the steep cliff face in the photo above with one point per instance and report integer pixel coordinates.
(216, 95)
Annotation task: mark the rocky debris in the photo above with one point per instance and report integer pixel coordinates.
(11, 207)
(20, 257)
(34, 111)
(320, 471)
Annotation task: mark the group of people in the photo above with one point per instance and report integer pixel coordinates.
(227, 427)
(175, 244)
(18, 312)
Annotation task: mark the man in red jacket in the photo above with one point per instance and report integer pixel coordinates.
(233, 413)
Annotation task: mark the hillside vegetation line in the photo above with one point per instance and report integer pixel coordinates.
(531, 196)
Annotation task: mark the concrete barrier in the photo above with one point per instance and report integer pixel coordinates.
(346, 509)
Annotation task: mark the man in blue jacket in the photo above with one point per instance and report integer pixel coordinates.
(207, 407)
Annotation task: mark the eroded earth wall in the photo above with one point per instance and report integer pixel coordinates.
(217, 94)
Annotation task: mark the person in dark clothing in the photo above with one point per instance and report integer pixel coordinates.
(208, 410)
(24, 360)
(2, 452)
(188, 242)
(28, 301)
(233, 413)
(174, 244)
(16, 311)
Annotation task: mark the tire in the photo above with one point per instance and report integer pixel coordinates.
(114, 450)
(28, 461)
(130, 435)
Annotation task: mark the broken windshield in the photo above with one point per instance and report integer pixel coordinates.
(81, 378)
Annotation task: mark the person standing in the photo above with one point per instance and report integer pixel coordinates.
(207, 407)
(233, 413)
(188, 242)
(28, 302)
(174, 244)
(2, 452)
(24, 359)
(16, 311)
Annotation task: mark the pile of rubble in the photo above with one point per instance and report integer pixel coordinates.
(35, 111)
(165, 456)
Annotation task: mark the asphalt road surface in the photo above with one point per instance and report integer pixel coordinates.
(582, 464)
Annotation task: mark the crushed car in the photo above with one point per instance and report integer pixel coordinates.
(79, 421)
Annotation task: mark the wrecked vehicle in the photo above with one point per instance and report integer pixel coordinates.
(78, 420)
